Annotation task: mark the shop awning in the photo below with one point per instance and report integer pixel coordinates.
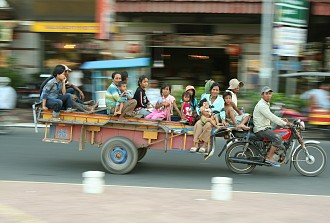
(115, 64)
(209, 6)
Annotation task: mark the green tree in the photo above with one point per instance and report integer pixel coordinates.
(13, 72)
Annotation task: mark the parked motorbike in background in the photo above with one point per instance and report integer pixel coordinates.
(244, 151)
(284, 111)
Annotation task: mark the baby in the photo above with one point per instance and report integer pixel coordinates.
(206, 114)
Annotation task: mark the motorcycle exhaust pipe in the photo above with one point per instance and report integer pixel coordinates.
(246, 161)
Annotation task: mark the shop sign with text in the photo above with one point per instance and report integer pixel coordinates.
(291, 12)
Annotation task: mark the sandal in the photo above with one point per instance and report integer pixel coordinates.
(193, 149)
(273, 163)
(202, 150)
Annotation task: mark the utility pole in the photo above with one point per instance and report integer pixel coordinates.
(266, 48)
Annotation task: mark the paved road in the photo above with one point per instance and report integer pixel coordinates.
(25, 161)
(25, 158)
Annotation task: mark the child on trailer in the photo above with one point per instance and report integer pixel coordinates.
(125, 95)
(164, 106)
(203, 127)
(206, 114)
(186, 107)
(231, 115)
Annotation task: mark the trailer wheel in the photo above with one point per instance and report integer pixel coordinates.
(141, 153)
(119, 155)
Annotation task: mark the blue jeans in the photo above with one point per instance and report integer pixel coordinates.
(72, 91)
(143, 111)
(276, 139)
(62, 102)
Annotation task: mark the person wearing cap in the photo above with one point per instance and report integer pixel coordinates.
(70, 88)
(77, 102)
(51, 97)
(234, 87)
(8, 94)
(262, 118)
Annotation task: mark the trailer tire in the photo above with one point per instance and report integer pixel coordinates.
(119, 155)
(141, 153)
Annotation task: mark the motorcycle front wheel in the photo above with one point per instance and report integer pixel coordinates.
(311, 161)
(236, 150)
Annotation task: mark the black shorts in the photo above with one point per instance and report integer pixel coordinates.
(276, 139)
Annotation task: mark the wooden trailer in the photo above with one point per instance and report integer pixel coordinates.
(122, 143)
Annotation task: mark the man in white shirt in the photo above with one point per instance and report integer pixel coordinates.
(262, 118)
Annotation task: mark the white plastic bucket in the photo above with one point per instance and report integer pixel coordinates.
(222, 188)
(100, 98)
(93, 182)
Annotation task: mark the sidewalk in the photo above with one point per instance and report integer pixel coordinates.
(49, 202)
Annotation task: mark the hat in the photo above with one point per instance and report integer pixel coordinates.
(266, 89)
(234, 83)
(208, 86)
(66, 67)
(190, 87)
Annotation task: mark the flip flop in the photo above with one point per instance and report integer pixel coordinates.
(273, 163)
(193, 149)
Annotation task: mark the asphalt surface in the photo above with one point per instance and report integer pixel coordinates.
(23, 202)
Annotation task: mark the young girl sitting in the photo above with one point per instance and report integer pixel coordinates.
(186, 107)
(231, 115)
(164, 105)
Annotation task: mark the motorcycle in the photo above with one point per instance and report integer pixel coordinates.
(245, 151)
(284, 111)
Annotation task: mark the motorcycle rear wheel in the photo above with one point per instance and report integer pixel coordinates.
(311, 165)
(236, 151)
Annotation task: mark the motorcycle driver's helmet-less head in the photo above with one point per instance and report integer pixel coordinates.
(266, 89)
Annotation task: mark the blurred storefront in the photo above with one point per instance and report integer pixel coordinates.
(68, 43)
(187, 40)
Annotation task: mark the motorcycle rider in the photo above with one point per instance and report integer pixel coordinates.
(262, 118)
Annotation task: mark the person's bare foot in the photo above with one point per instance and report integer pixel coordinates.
(244, 127)
(94, 107)
(90, 102)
